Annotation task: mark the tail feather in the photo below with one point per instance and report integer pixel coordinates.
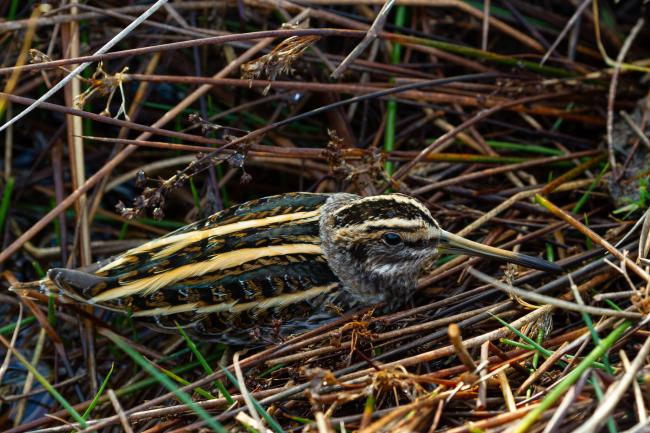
(45, 286)
(76, 284)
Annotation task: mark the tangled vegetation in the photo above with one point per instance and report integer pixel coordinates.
(522, 125)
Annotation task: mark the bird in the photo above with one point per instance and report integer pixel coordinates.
(269, 268)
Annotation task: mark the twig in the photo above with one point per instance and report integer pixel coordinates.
(486, 25)
(574, 18)
(244, 391)
(638, 395)
(558, 303)
(571, 396)
(13, 25)
(120, 412)
(449, 350)
(548, 363)
(33, 392)
(371, 35)
(173, 46)
(614, 394)
(612, 92)
(507, 391)
(639, 133)
(503, 169)
(461, 351)
(562, 214)
(76, 71)
(5, 364)
(404, 170)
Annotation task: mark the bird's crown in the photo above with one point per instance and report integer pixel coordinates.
(389, 217)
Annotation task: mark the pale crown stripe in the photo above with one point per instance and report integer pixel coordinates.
(397, 198)
(392, 223)
(182, 240)
(233, 307)
(146, 286)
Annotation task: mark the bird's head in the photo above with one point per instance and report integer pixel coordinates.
(378, 245)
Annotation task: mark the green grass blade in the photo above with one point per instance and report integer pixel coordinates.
(258, 407)
(266, 373)
(200, 391)
(12, 10)
(195, 196)
(571, 378)
(206, 367)
(540, 339)
(192, 346)
(144, 383)
(529, 148)
(8, 329)
(166, 382)
(585, 197)
(600, 395)
(524, 337)
(391, 105)
(99, 393)
(516, 344)
(6, 201)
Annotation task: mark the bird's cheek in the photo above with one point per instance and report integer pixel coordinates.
(358, 253)
(386, 270)
(430, 253)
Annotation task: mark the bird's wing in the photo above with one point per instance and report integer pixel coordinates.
(261, 254)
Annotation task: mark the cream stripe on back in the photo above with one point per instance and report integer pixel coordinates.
(182, 240)
(233, 307)
(227, 260)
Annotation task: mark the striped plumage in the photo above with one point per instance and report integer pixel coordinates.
(274, 266)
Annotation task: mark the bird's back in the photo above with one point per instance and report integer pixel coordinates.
(253, 267)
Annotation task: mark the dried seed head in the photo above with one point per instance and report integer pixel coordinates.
(279, 61)
(206, 126)
(236, 160)
(36, 56)
(140, 179)
(194, 118)
(104, 84)
(338, 167)
(245, 177)
(158, 214)
(126, 212)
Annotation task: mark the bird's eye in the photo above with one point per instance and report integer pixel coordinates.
(391, 238)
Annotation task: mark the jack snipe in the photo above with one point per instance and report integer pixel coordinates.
(277, 266)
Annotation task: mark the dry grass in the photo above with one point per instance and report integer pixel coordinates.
(215, 104)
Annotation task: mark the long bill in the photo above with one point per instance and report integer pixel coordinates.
(451, 243)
